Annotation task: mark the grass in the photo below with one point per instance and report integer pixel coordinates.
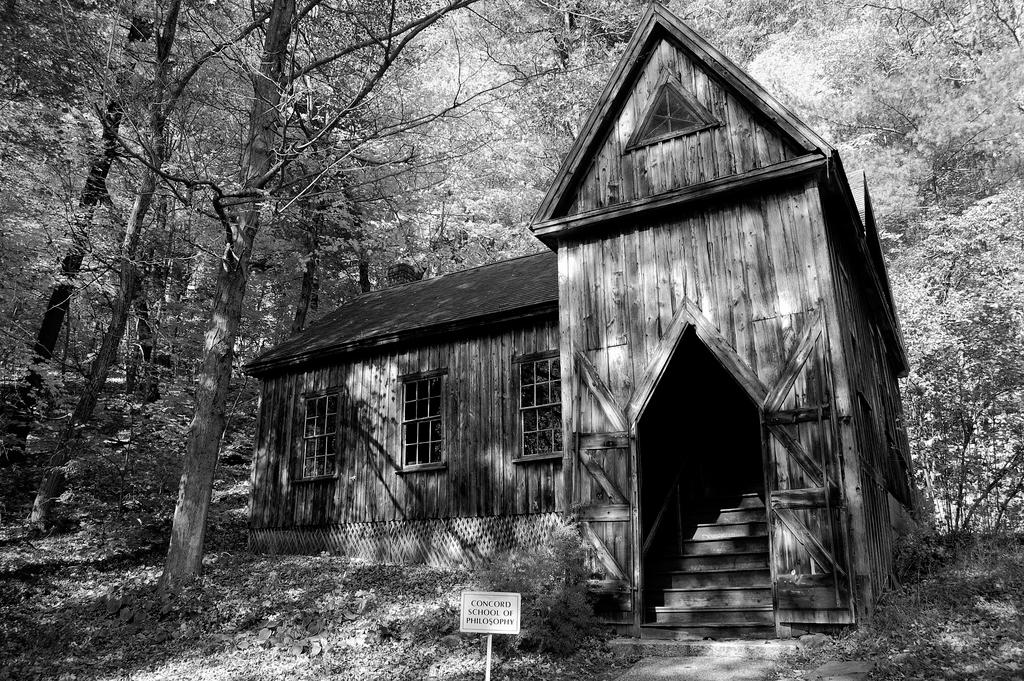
(962, 620)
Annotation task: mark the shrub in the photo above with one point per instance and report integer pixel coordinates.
(922, 551)
(557, 612)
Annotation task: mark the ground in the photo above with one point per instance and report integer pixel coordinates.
(964, 620)
(249, 617)
(82, 604)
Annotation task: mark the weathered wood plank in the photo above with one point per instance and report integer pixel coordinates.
(809, 541)
(716, 189)
(597, 387)
(604, 513)
(787, 417)
(796, 451)
(795, 363)
(806, 498)
(597, 471)
(608, 560)
(611, 440)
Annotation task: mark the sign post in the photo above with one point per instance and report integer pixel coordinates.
(490, 612)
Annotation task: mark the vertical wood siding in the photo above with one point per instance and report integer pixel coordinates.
(481, 429)
(875, 434)
(749, 266)
(741, 143)
(758, 269)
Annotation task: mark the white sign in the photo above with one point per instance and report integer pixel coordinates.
(487, 612)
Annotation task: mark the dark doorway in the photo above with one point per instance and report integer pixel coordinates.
(702, 515)
(702, 428)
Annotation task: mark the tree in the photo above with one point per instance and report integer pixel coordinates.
(960, 293)
(153, 153)
(241, 211)
(29, 23)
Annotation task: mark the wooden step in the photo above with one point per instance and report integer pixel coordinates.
(705, 531)
(703, 547)
(724, 631)
(689, 579)
(715, 515)
(737, 650)
(760, 615)
(713, 597)
(743, 560)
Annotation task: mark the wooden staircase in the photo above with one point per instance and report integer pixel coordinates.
(718, 585)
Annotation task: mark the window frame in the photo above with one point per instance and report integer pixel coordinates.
(403, 381)
(520, 455)
(706, 119)
(316, 395)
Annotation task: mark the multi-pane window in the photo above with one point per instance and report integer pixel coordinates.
(319, 439)
(540, 406)
(422, 421)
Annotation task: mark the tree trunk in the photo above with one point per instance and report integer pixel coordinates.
(364, 273)
(185, 554)
(188, 532)
(54, 479)
(1010, 466)
(1005, 504)
(140, 372)
(309, 292)
(153, 277)
(93, 193)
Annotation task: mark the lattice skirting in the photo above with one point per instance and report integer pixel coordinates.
(440, 542)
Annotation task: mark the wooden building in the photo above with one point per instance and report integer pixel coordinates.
(701, 370)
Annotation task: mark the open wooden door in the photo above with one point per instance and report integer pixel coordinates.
(603, 492)
(810, 562)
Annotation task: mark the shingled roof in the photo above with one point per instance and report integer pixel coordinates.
(519, 287)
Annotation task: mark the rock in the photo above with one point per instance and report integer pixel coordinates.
(856, 670)
(813, 641)
(902, 658)
(451, 641)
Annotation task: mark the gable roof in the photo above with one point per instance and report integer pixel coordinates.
(511, 289)
(660, 24)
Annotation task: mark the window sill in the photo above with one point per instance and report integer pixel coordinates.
(633, 145)
(318, 478)
(538, 457)
(423, 467)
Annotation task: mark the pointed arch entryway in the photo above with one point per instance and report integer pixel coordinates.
(701, 485)
(701, 425)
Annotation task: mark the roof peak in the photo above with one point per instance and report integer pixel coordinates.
(658, 23)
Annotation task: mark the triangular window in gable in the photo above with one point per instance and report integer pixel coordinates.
(672, 113)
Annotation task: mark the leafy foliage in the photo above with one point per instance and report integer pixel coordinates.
(557, 612)
(248, 617)
(961, 620)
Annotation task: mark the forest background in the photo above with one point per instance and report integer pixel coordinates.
(184, 184)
